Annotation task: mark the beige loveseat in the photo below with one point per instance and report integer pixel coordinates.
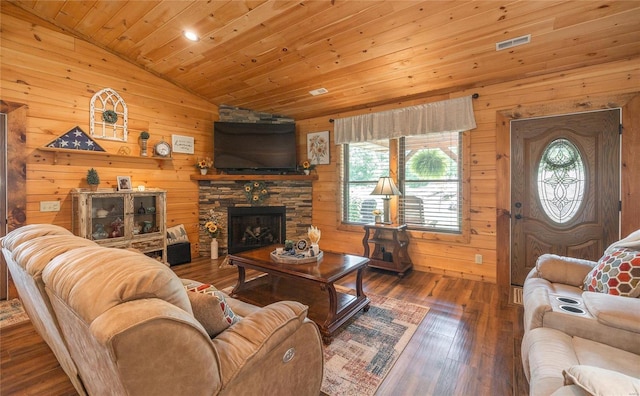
(581, 342)
(121, 323)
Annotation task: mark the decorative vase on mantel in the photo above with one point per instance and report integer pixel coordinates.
(214, 248)
(203, 171)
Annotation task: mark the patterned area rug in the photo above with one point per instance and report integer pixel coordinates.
(11, 313)
(365, 349)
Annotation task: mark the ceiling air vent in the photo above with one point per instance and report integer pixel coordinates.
(319, 91)
(514, 42)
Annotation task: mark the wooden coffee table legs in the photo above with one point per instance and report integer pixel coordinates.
(342, 306)
(328, 307)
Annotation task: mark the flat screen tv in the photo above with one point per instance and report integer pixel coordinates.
(254, 148)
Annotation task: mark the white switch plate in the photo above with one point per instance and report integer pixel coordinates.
(49, 206)
(478, 259)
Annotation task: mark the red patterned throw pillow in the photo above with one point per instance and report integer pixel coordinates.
(210, 308)
(617, 272)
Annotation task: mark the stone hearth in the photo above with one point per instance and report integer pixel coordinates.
(219, 195)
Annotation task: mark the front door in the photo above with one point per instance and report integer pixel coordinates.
(565, 187)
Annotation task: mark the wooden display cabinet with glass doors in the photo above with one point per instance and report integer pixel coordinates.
(123, 219)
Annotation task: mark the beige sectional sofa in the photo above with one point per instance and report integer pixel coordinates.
(121, 323)
(580, 342)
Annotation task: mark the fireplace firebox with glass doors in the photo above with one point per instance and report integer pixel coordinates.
(254, 227)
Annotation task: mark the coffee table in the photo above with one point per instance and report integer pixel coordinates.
(311, 284)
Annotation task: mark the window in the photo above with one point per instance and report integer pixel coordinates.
(364, 163)
(430, 177)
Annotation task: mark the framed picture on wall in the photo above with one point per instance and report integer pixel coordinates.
(318, 150)
(182, 144)
(124, 183)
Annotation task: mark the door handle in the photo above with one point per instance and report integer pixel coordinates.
(518, 216)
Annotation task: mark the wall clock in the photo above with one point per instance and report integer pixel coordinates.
(162, 149)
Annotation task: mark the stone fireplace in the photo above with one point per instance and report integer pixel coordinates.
(224, 194)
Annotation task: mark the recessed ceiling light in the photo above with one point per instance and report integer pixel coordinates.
(191, 35)
(319, 91)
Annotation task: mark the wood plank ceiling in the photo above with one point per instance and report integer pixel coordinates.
(267, 55)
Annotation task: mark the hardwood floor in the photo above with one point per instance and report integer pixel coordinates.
(469, 342)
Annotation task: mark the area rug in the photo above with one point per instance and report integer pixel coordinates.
(11, 313)
(365, 349)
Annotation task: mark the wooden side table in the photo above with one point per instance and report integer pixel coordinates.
(390, 243)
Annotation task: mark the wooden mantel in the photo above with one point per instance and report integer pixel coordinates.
(312, 176)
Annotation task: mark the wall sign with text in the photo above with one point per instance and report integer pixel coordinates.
(182, 144)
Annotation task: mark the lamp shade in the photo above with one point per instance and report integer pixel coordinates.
(385, 186)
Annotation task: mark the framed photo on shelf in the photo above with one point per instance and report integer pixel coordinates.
(124, 183)
(318, 150)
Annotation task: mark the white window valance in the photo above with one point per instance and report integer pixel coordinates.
(452, 115)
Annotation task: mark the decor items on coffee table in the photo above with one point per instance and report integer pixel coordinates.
(390, 243)
(114, 219)
(314, 235)
(311, 284)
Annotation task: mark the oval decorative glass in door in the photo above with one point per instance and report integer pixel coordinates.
(561, 180)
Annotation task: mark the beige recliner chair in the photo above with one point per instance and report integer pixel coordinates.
(126, 325)
(28, 250)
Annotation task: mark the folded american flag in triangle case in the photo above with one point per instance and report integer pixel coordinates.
(75, 139)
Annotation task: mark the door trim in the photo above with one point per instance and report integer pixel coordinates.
(630, 192)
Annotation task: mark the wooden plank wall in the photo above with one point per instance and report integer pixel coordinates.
(580, 90)
(56, 75)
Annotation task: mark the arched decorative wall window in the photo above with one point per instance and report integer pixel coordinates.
(108, 116)
(561, 180)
